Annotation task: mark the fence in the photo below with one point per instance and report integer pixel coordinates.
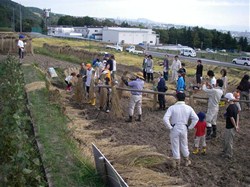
(108, 173)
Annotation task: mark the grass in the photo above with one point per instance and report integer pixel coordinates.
(60, 153)
(68, 58)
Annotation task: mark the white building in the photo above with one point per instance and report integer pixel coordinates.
(108, 34)
(129, 35)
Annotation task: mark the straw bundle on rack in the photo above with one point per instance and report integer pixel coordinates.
(79, 91)
(92, 86)
(125, 76)
(115, 100)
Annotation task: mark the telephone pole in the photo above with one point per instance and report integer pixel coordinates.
(13, 20)
(21, 29)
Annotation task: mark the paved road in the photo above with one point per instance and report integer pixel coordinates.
(204, 61)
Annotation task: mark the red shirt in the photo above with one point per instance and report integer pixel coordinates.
(200, 128)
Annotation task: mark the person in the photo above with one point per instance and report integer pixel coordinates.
(165, 67)
(236, 94)
(176, 119)
(136, 97)
(224, 78)
(176, 65)
(232, 126)
(113, 73)
(184, 70)
(149, 69)
(244, 87)
(110, 62)
(199, 72)
(144, 66)
(107, 81)
(89, 73)
(212, 80)
(180, 86)
(68, 80)
(200, 134)
(83, 72)
(214, 96)
(161, 87)
(20, 45)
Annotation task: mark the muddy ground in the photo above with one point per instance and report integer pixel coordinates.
(114, 137)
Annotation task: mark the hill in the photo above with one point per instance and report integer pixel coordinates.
(31, 17)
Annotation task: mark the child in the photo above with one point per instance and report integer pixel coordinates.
(200, 134)
(181, 86)
(68, 81)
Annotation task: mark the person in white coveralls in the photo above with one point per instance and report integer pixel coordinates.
(176, 119)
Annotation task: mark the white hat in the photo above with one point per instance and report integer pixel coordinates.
(229, 96)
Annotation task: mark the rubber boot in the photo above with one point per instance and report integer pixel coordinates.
(93, 101)
(187, 162)
(139, 118)
(196, 151)
(176, 163)
(214, 131)
(204, 150)
(209, 133)
(129, 120)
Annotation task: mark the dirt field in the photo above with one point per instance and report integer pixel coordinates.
(127, 145)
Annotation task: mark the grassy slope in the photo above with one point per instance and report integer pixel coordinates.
(60, 153)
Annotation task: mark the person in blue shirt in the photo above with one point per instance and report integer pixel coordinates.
(180, 87)
(136, 97)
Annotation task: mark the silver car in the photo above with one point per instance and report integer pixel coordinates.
(242, 60)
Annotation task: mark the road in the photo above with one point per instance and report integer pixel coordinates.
(204, 61)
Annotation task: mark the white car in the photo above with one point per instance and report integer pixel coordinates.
(242, 60)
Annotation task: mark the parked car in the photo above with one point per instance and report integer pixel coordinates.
(116, 47)
(242, 60)
(188, 52)
(131, 49)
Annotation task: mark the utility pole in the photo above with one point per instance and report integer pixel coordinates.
(46, 12)
(13, 20)
(21, 29)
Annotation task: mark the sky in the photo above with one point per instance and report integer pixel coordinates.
(231, 15)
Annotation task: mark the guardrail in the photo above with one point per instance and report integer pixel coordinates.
(108, 173)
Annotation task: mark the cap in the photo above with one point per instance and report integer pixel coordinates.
(181, 71)
(88, 65)
(229, 96)
(201, 116)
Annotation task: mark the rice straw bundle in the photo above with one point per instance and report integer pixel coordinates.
(92, 86)
(116, 107)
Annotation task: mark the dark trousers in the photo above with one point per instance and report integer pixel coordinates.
(108, 100)
(144, 74)
(21, 54)
(150, 76)
(165, 75)
(162, 101)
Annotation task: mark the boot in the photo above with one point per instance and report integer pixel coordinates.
(176, 163)
(204, 150)
(93, 102)
(139, 118)
(214, 131)
(209, 133)
(187, 162)
(129, 120)
(196, 151)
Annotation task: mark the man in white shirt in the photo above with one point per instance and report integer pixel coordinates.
(176, 65)
(176, 119)
(214, 96)
(20, 46)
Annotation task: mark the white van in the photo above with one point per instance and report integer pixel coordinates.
(188, 52)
